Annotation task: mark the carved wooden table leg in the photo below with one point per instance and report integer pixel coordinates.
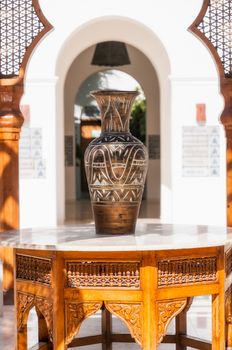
(218, 322)
(218, 307)
(106, 329)
(75, 313)
(43, 330)
(228, 310)
(181, 324)
(24, 304)
(149, 335)
(166, 311)
(58, 284)
(131, 313)
(181, 328)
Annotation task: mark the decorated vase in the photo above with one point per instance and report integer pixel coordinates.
(116, 166)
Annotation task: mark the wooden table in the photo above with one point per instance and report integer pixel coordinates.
(146, 280)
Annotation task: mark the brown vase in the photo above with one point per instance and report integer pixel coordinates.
(116, 166)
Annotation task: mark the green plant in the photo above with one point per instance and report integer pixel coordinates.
(138, 121)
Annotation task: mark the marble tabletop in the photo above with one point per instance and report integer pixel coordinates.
(148, 236)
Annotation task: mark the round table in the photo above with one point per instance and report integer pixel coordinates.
(69, 273)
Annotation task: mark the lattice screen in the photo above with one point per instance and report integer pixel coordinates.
(19, 25)
(217, 27)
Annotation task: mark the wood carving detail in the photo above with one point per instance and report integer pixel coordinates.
(229, 261)
(25, 302)
(187, 271)
(131, 315)
(166, 311)
(46, 309)
(103, 274)
(33, 269)
(215, 26)
(22, 25)
(228, 312)
(228, 305)
(75, 314)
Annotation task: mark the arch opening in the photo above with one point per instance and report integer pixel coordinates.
(80, 128)
(72, 74)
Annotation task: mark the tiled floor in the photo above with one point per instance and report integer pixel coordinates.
(199, 325)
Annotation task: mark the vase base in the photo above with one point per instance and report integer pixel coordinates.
(115, 218)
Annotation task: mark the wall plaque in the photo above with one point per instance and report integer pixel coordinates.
(32, 165)
(200, 151)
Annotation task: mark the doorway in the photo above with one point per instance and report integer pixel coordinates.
(87, 126)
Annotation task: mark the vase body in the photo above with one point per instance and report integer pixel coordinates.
(116, 166)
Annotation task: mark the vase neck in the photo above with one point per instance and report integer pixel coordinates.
(115, 110)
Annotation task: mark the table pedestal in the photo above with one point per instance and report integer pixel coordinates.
(144, 289)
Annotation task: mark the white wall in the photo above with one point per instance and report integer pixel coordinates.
(158, 28)
(38, 196)
(199, 200)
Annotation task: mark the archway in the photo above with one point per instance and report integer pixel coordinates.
(86, 125)
(148, 44)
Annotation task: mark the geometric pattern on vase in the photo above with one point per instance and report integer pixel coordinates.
(123, 180)
(116, 162)
(116, 165)
(217, 27)
(19, 26)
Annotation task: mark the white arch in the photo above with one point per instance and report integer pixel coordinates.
(113, 28)
(79, 72)
(145, 40)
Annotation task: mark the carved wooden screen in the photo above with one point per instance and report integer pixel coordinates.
(216, 26)
(22, 24)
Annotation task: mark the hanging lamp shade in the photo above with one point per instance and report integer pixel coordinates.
(110, 53)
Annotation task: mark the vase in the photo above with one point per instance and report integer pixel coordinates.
(115, 165)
